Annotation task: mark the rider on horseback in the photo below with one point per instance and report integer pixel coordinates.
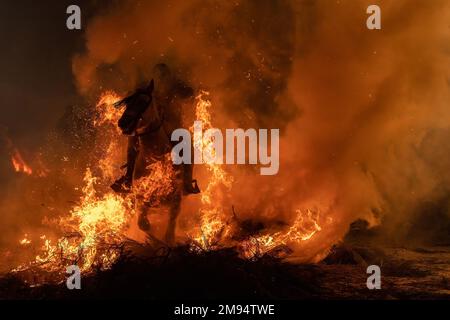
(164, 94)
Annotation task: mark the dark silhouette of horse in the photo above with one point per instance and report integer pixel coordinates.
(151, 113)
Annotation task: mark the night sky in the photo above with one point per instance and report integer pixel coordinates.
(36, 81)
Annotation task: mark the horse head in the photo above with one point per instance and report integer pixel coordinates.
(135, 105)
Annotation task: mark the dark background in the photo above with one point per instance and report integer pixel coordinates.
(36, 82)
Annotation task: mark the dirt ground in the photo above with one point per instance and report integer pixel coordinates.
(407, 273)
(419, 273)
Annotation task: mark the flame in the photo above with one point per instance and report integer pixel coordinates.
(106, 113)
(304, 228)
(213, 219)
(158, 184)
(19, 164)
(25, 241)
(95, 229)
(215, 224)
(107, 117)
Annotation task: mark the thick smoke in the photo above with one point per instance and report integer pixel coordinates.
(363, 114)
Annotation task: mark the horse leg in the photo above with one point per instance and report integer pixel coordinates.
(143, 223)
(172, 223)
(142, 209)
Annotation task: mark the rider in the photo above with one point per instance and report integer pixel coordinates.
(166, 92)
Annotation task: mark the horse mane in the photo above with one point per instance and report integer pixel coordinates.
(129, 98)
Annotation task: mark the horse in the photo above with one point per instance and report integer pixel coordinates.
(148, 143)
(149, 115)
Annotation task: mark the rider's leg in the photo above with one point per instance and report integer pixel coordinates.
(189, 185)
(124, 183)
(132, 153)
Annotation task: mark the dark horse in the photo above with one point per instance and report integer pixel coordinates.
(151, 113)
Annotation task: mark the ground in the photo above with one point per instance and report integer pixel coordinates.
(407, 273)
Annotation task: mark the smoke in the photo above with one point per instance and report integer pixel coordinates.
(370, 103)
(363, 114)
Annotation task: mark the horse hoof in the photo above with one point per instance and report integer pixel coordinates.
(143, 223)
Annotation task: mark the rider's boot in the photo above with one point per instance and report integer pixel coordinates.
(122, 185)
(189, 185)
(191, 188)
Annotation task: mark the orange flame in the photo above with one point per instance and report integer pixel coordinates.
(215, 225)
(213, 218)
(19, 164)
(96, 228)
(105, 112)
(25, 241)
(158, 184)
